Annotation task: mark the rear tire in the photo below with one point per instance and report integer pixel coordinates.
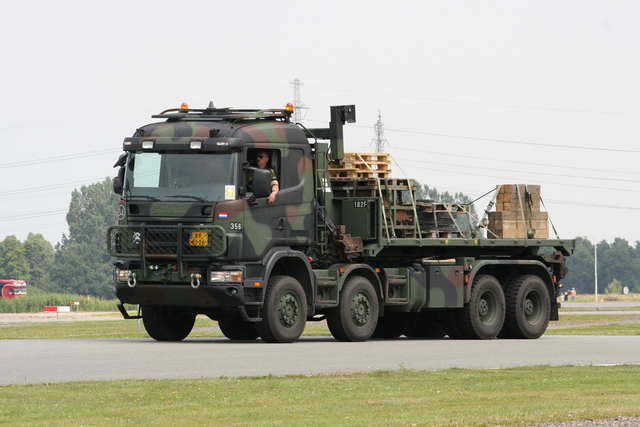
(238, 329)
(168, 323)
(483, 316)
(528, 308)
(284, 313)
(356, 317)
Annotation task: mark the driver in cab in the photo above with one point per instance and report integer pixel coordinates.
(262, 162)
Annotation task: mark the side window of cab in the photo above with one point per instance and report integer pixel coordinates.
(267, 159)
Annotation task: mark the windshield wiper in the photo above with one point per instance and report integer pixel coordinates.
(153, 199)
(200, 199)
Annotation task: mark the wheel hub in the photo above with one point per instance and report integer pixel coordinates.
(360, 309)
(528, 307)
(483, 308)
(288, 310)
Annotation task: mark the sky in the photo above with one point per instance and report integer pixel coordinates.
(471, 94)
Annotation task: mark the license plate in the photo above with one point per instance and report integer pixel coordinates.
(199, 238)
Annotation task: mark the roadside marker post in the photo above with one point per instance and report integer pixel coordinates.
(58, 309)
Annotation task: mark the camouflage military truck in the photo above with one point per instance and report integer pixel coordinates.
(353, 248)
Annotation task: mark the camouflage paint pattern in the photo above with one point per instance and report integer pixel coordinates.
(446, 286)
(242, 231)
(249, 228)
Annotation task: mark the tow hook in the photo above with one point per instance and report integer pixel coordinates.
(131, 280)
(195, 280)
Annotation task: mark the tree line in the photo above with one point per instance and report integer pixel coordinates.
(618, 267)
(80, 264)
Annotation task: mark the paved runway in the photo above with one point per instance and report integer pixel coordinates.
(41, 361)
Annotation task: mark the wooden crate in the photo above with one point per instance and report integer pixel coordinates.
(512, 197)
(512, 218)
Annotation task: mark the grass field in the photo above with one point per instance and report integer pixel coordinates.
(454, 397)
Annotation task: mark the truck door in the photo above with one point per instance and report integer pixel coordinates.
(288, 221)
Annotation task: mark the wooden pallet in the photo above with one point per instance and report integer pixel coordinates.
(362, 165)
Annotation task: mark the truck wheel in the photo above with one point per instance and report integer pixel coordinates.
(356, 316)
(528, 307)
(284, 313)
(238, 329)
(483, 316)
(391, 325)
(168, 323)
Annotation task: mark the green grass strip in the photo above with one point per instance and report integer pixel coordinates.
(454, 397)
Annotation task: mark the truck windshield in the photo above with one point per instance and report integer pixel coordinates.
(207, 177)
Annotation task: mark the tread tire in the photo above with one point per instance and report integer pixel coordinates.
(168, 323)
(284, 313)
(483, 316)
(528, 308)
(238, 329)
(356, 316)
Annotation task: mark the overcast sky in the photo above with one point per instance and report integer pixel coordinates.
(472, 94)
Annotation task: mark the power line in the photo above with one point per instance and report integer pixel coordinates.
(594, 205)
(495, 139)
(467, 173)
(517, 161)
(484, 104)
(537, 173)
(32, 215)
(59, 158)
(125, 113)
(537, 144)
(50, 187)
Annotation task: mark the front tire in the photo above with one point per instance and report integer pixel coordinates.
(284, 313)
(168, 323)
(238, 329)
(528, 307)
(483, 316)
(356, 317)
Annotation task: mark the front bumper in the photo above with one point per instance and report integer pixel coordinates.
(182, 295)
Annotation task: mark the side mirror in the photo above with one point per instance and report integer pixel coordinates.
(117, 182)
(261, 182)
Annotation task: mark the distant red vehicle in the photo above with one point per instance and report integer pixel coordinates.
(13, 288)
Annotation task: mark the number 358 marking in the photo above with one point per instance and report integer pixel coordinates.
(235, 226)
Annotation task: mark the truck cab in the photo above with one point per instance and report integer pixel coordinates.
(13, 288)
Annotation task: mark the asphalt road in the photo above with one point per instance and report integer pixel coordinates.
(46, 361)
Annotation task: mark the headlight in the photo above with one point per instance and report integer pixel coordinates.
(225, 277)
(121, 275)
(147, 144)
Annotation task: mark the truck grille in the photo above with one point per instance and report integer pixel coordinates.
(166, 242)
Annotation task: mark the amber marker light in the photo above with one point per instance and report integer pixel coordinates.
(289, 106)
(184, 106)
(257, 284)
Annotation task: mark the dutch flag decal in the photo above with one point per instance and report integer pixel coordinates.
(222, 215)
